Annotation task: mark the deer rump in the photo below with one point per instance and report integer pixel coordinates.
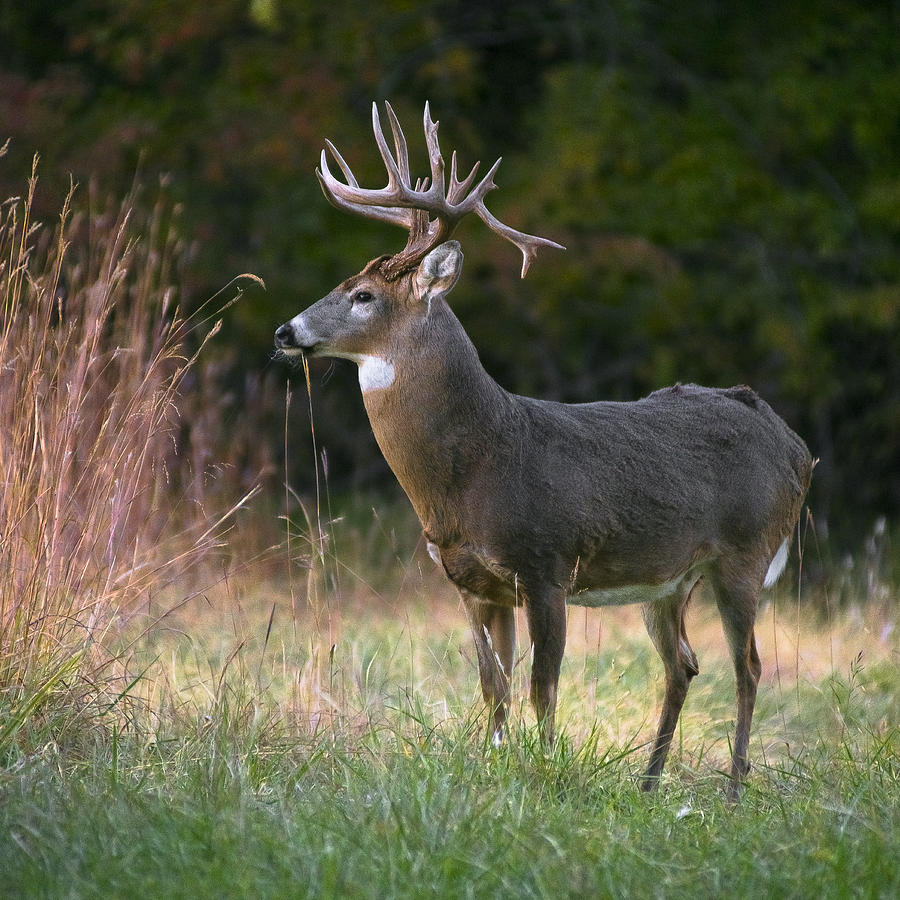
(625, 502)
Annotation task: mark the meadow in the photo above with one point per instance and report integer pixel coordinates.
(205, 695)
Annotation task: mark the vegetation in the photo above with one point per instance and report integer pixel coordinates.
(90, 373)
(198, 698)
(274, 758)
(725, 179)
(314, 728)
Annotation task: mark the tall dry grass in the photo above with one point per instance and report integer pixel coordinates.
(96, 511)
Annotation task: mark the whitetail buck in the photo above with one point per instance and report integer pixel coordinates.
(530, 502)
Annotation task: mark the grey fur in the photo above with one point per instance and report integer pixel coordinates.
(531, 502)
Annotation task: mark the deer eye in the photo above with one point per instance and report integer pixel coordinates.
(362, 297)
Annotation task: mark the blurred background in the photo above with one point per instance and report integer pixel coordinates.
(726, 178)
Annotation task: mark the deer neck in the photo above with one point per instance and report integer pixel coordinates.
(437, 415)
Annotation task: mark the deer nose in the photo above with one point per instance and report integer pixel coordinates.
(284, 336)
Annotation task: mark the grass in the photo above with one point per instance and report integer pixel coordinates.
(94, 351)
(319, 733)
(280, 767)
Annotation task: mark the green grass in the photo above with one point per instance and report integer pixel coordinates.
(281, 767)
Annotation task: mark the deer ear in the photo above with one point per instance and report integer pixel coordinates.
(438, 272)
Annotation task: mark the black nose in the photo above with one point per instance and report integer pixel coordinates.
(284, 336)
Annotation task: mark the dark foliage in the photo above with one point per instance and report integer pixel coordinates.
(726, 178)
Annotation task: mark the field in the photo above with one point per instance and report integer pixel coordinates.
(347, 758)
(180, 717)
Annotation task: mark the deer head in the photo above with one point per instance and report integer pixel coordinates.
(368, 317)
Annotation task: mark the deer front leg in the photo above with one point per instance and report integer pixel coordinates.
(494, 632)
(546, 612)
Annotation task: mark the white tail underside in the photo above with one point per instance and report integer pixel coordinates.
(776, 567)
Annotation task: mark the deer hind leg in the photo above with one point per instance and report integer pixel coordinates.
(665, 625)
(546, 611)
(494, 631)
(737, 601)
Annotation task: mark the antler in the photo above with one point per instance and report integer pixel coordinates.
(412, 207)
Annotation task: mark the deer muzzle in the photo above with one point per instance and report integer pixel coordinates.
(292, 340)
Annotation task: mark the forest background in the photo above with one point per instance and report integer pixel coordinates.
(228, 666)
(726, 178)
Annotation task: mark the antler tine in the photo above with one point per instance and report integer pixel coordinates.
(395, 176)
(348, 172)
(459, 188)
(345, 196)
(529, 244)
(399, 144)
(435, 160)
(475, 197)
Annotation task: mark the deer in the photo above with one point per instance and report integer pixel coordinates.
(535, 503)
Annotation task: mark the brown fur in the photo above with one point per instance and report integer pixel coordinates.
(531, 501)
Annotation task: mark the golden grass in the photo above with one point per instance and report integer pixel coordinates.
(96, 509)
(349, 660)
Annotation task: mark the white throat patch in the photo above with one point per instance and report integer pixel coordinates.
(375, 373)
